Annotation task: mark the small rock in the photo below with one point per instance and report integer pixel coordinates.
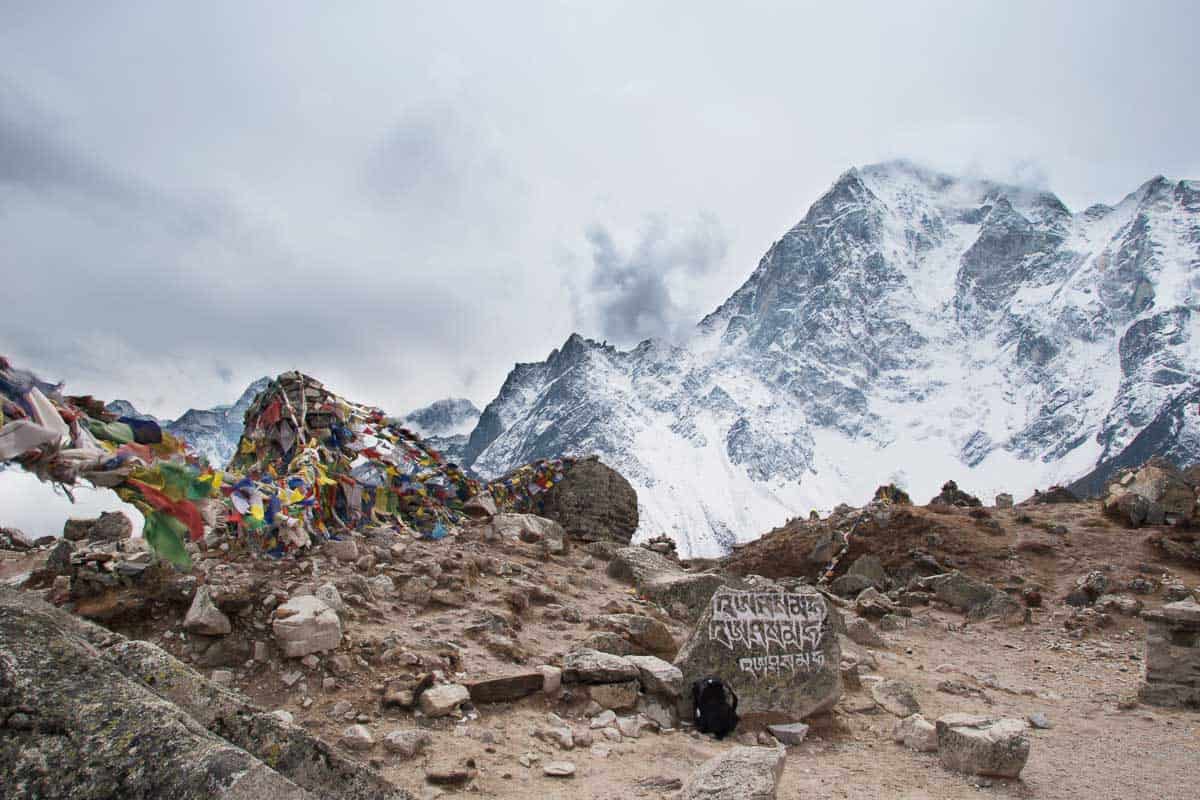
(204, 618)
(604, 719)
(559, 769)
(551, 679)
(222, 677)
(916, 732)
(895, 697)
(1040, 721)
(791, 734)
(356, 737)
(439, 701)
(860, 632)
(407, 743)
(283, 716)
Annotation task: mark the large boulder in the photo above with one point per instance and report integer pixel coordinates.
(592, 666)
(742, 773)
(75, 696)
(776, 649)
(593, 502)
(982, 745)
(976, 599)
(951, 495)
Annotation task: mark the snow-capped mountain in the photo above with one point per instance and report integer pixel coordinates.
(445, 425)
(913, 327)
(213, 432)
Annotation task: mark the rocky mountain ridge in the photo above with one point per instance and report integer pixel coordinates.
(914, 326)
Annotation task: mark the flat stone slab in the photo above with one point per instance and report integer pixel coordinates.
(742, 773)
(791, 734)
(505, 689)
(593, 666)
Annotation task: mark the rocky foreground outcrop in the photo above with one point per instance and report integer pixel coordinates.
(86, 713)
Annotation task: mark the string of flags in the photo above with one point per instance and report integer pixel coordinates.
(310, 465)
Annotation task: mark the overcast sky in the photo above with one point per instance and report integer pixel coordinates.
(404, 199)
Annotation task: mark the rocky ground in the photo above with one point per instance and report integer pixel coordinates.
(1062, 644)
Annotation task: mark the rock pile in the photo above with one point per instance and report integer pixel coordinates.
(1153, 494)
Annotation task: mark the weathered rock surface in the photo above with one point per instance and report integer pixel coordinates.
(592, 666)
(530, 528)
(306, 625)
(647, 635)
(917, 733)
(204, 618)
(663, 581)
(91, 693)
(658, 676)
(743, 773)
(974, 598)
(895, 697)
(778, 651)
(982, 745)
(440, 701)
(593, 502)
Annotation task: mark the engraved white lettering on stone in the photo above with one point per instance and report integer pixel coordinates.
(773, 624)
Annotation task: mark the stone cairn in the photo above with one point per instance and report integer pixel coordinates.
(1173, 655)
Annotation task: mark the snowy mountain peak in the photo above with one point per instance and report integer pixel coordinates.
(913, 326)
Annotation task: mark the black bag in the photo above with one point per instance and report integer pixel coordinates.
(714, 712)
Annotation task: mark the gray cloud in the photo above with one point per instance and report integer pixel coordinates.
(643, 293)
(393, 200)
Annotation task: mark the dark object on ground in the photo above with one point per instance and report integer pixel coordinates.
(1055, 494)
(951, 495)
(715, 713)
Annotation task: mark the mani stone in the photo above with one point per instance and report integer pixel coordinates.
(306, 625)
(982, 745)
(777, 650)
(742, 773)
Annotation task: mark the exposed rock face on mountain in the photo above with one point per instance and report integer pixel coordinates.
(912, 327)
(215, 431)
(75, 696)
(445, 425)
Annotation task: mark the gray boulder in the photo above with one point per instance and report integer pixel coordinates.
(743, 773)
(976, 599)
(80, 694)
(593, 502)
(777, 649)
(871, 568)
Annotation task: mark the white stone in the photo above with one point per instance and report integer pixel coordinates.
(559, 769)
(658, 676)
(439, 701)
(283, 716)
(791, 734)
(916, 732)
(306, 625)
(551, 678)
(407, 743)
(356, 737)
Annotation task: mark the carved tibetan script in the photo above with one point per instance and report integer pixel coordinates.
(777, 631)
